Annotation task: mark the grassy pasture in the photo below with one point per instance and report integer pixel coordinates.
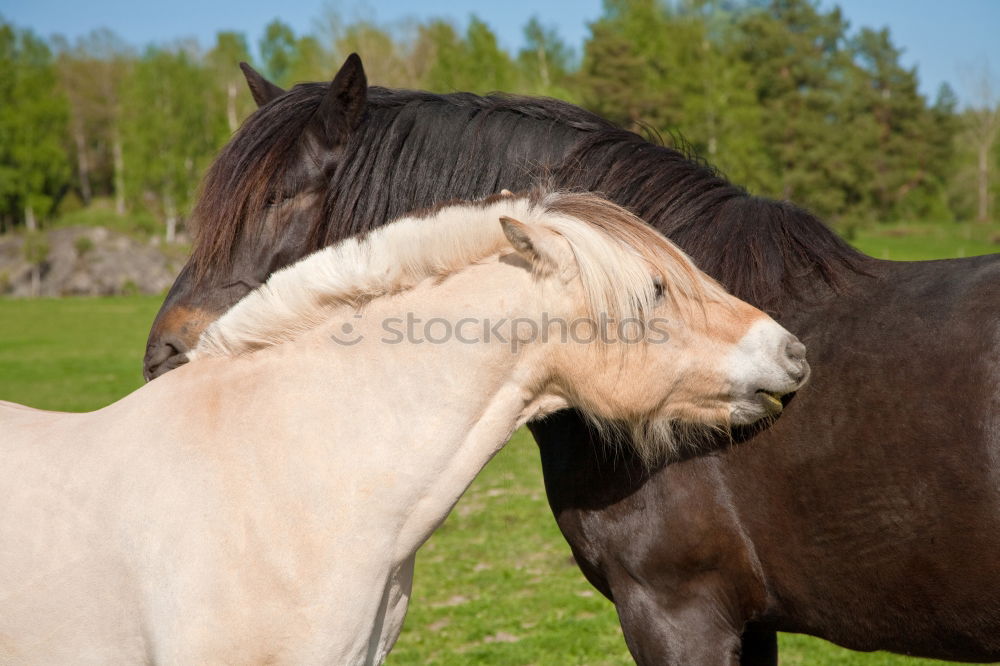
(496, 584)
(906, 242)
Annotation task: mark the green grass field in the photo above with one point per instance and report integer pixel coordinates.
(928, 241)
(496, 584)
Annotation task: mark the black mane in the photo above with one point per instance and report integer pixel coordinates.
(415, 149)
(469, 146)
(760, 249)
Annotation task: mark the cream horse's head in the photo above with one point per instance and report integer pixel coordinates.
(624, 326)
(642, 338)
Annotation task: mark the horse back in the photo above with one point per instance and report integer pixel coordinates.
(882, 479)
(20, 423)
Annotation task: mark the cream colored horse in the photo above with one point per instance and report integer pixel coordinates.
(264, 503)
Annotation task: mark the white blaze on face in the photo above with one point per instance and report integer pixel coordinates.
(767, 363)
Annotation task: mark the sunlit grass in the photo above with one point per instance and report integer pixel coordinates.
(73, 354)
(928, 241)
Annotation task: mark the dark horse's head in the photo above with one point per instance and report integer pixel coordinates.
(259, 204)
(322, 162)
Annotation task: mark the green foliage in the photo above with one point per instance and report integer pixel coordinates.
(138, 221)
(33, 121)
(277, 51)
(445, 50)
(168, 135)
(975, 188)
(782, 98)
(892, 120)
(475, 62)
(288, 59)
(71, 203)
(627, 65)
(92, 72)
(486, 60)
(231, 98)
(397, 60)
(799, 63)
(311, 62)
(545, 62)
(230, 49)
(35, 248)
(83, 245)
(779, 94)
(389, 61)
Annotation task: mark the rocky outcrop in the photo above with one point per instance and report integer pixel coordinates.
(90, 261)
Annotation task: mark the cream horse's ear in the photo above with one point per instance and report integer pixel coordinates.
(537, 246)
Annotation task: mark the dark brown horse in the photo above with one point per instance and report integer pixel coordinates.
(869, 514)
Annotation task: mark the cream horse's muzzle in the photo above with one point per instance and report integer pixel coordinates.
(770, 364)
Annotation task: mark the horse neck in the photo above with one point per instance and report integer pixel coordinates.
(428, 414)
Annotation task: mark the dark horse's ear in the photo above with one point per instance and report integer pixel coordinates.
(263, 91)
(342, 108)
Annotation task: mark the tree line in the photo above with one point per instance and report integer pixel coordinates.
(782, 96)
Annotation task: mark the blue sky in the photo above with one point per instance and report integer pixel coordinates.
(945, 38)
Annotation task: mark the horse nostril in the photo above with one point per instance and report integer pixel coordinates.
(163, 356)
(795, 360)
(795, 350)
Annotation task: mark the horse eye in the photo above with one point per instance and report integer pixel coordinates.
(658, 288)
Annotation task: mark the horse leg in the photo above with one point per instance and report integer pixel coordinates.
(760, 646)
(695, 633)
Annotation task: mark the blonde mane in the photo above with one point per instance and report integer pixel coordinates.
(615, 251)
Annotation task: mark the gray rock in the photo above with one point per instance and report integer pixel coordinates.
(87, 261)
